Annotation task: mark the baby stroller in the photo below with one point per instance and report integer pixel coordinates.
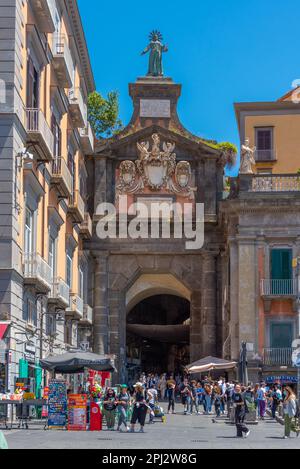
(159, 413)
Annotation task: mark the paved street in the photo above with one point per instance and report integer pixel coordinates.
(180, 432)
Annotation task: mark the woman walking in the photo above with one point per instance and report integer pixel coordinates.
(140, 408)
(123, 403)
(109, 409)
(290, 412)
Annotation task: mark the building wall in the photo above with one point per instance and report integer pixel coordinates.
(22, 35)
(286, 140)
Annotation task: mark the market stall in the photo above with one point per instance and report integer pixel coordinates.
(67, 409)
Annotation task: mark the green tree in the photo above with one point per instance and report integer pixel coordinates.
(103, 114)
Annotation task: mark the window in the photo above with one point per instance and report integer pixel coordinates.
(282, 264)
(33, 85)
(264, 144)
(55, 127)
(282, 272)
(28, 237)
(52, 256)
(50, 325)
(69, 269)
(31, 316)
(281, 334)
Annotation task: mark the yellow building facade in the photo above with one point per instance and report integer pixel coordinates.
(273, 129)
(46, 77)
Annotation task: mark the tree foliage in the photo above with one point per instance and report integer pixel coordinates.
(103, 114)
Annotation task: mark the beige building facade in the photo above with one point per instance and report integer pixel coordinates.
(45, 303)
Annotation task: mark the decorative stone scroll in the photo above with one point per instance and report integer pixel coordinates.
(156, 169)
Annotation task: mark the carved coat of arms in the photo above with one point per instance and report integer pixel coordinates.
(156, 169)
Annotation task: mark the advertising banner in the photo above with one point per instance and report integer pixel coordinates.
(77, 412)
(57, 405)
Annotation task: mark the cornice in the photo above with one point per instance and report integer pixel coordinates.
(80, 40)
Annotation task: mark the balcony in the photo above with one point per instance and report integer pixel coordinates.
(87, 316)
(265, 156)
(76, 207)
(39, 133)
(37, 272)
(87, 138)
(269, 183)
(60, 294)
(61, 177)
(279, 288)
(86, 227)
(77, 108)
(278, 357)
(62, 61)
(76, 307)
(45, 14)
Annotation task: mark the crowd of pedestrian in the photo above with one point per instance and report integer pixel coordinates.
(218, 398)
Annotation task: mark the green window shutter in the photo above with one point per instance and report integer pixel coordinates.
(281, 264)
(23, 368)
(287, 260)
(281, 335)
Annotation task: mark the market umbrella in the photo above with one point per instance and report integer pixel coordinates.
(76, 362)
(209, 364)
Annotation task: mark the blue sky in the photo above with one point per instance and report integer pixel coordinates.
(221, 51)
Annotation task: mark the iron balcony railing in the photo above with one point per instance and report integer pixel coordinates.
(279, 288)
(60, 170)
(278, 357)
(38, 128)
(77, 102)
(265, 155)
(88, 314)
(87, 137)
(77, 206)
(86, 227)
(37, 269)
(62, 55)
(60, 291)
(76, 305)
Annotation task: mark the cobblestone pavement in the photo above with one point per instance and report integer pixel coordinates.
(179, 432)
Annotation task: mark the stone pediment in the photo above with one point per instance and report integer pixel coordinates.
(125, 145)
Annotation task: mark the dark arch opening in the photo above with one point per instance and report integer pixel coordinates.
(158, 335)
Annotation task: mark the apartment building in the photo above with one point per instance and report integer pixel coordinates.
(263, 222)
(46, 76)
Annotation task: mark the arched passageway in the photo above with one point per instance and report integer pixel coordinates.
(158, 335)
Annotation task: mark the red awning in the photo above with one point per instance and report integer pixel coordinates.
(3, 329)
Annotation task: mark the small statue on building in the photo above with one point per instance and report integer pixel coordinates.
(247, 158)
(155, 60)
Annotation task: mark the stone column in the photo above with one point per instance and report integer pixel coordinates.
(101, 304)
(209, 305)
(100, 181)
(117, 331)
(196, 337)
(234, 299)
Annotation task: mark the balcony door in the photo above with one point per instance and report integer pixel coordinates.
(52, 256)
(33, 85)
(282, 271)
(29, 231)
(281, 335)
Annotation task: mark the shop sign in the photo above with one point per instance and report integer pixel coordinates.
(281, 379)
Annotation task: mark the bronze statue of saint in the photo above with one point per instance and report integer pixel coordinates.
(156, 49)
